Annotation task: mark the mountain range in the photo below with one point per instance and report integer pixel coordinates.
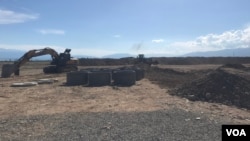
(238, 52)
(12, 54)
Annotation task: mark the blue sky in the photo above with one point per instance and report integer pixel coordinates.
(102, 27)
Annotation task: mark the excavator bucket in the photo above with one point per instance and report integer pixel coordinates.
(7, 70)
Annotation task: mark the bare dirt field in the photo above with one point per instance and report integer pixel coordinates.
(144, 111)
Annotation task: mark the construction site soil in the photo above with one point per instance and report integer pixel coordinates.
(218, 86)
(172, 102)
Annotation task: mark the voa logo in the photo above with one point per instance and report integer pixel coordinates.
(236, 132)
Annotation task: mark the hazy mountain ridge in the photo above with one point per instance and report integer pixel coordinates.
(12, 54)
(238, 52)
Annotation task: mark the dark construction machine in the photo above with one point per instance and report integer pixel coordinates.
(142, 60)
(62, 62)
(144, 63)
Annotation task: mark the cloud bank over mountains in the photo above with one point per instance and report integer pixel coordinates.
(213, 42)
(231, 39)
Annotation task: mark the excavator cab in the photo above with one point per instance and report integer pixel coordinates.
(66, 55)
(62, 59)
(63, 63)
(67, 51)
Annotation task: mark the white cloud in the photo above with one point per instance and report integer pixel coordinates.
(11, 17)
(157, 40)
(212, 42)
(95, 52)
(51, 31)
(117, 36)
(27, 47)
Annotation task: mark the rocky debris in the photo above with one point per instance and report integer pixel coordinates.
(113, 126)
(24, 84)
(217, 86)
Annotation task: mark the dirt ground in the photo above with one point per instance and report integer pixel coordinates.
(146, 96)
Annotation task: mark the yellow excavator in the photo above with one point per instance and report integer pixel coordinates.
(62, 62)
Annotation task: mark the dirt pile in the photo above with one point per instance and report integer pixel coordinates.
(218, 86)
(235, 66)
(167, 77)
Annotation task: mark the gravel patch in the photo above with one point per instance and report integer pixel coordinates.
(171, 125)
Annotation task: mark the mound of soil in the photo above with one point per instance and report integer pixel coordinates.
(219, 87)
(235, 66)
(167, 77)
(167, 70)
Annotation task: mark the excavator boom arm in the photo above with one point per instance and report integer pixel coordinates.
(34, 53)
